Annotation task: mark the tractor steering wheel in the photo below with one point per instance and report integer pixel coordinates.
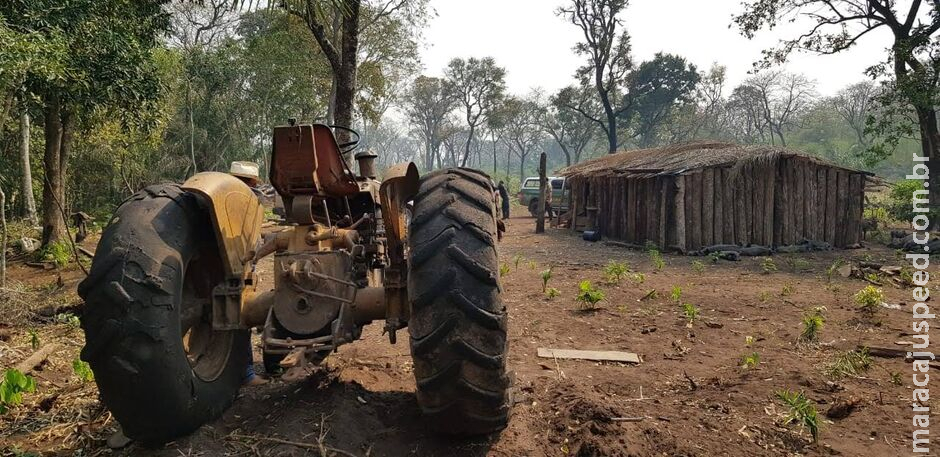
(351, 145)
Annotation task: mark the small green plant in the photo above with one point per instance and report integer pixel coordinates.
(714, 257)
(799, 265)
(698, 266)
(801, 411)
(873, 278)
(812, 323)
(748, 341)
(833, 269)
(57, 252)
(676, 294)
(516, 260)
(638, 277)
(532, 265)
(690, 312)
(546, 276)
(749, 361)
(12, 388)
(657, 259)
(552, 293)
(768, 266)
(786, 291)
(588, 296)
(83, 370)
(896, 378)
(33, 338)
(503, 270)
(763, 296)
(69, 319)
(850, 363)
(616, 271)
(869, 300)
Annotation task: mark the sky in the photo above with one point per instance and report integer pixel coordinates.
(534, 45)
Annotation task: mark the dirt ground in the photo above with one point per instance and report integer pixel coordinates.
(688, 396)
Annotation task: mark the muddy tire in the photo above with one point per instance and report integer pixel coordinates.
(458, 321)
(160, 367)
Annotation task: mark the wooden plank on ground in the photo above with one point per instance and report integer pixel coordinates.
(607, 356)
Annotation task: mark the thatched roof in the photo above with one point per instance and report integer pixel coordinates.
(677, 159)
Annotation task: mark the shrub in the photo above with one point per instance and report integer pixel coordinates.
(869, 300)
(698, 266)
(59, 253)
(616, 271)
(801, 411)
(749, 361)
(657, 259)
(899, 205)
(691, 312)
(676, 294)
(812, 323)
(546, 276)
(12, 387)
(503, 270)
(768, 266)
(552, 293)
(83, 370)
(588, 296)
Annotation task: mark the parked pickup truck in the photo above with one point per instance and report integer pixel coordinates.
(529, 194)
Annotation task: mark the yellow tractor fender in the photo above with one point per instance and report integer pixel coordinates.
(236, 215)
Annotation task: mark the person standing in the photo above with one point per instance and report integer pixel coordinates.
(504, 196)
(248, 173)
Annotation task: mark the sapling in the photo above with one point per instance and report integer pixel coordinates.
(546, 276)
(588, 296)
(801, 411)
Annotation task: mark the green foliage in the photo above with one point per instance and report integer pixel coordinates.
(638, 278)
(69, 319)
(749, 361)
(588, 296)
(763, 296)
(714, 257)
(786, 291)
(698, 266)
(59, 253)
(516, 260)
(748, 341)
(800, 411)
(616, 271)
(676, 294)
(12, 388)
(798, 264)
(869, 300)
(546, 275)
(850, 363)
(768, 266)
(552, 293)
(503, 270)
(657, 259)
(532, 264)
(33, 338)
(833, 269)
(812, 323)
(83, 370)
(899, 203)
(690, 312)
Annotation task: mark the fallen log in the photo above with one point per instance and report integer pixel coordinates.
(37, 358)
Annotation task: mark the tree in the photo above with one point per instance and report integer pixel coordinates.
(108, 44)
(427, 105)
(782, 98)
(479, 85)
(522, 132)
(911, 62)
(854, 104)
(657, 88)
(572, 131)
(29, 202)
(608, 58)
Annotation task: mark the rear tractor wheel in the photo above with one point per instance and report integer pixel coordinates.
(458, 321)
(160, 367)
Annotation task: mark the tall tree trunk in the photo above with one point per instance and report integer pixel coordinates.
(543, 182)
(346, 73)
(3, 239)
(29, 202)
(930, 148)
(54, 157)
(466, 154)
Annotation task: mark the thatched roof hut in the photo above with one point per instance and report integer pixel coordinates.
(694, 195)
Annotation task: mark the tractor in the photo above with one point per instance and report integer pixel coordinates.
(173, 292)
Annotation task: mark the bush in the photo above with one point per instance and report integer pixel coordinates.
(12, 387)
(869, 300)
(899, 200)
(588, 296)
(59, 253)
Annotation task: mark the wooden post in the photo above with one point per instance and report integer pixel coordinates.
(728, 207)
(543, 181)
(832, 191)
(696, 220)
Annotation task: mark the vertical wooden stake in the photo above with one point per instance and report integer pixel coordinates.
(543, 181)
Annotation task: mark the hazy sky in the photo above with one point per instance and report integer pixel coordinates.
(534, 45)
